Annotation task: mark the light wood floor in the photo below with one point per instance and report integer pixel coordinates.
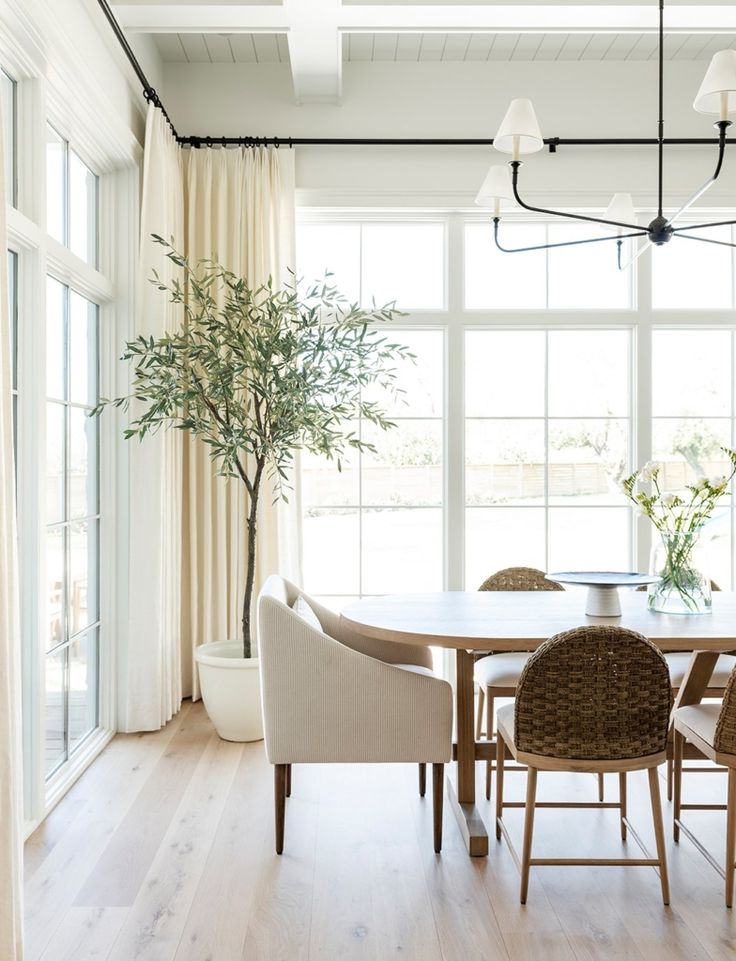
(163, 851)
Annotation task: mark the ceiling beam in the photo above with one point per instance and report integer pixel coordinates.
(314, 29)
(198, 17)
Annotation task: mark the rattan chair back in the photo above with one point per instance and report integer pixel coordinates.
(594, 693)
(519, 579)
(725, 737)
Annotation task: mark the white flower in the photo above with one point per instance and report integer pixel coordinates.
(649, 471)
(718, 480)
(701, 482)
(669, 500)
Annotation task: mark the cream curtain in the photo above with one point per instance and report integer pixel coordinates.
(187, 543)
(11, 757)
(239, 209)
(150, 676)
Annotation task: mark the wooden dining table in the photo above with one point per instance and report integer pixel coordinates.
(485, 621)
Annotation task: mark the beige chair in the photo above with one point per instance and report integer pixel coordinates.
(712, 729)
(330, 695)
(594, 699)
(498, 674)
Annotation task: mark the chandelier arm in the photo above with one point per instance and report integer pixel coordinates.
(722, 126)
(707, 240)
(515, 164)
(566, 243)
(718, 223)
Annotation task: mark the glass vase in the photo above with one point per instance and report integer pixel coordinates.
(680, 561)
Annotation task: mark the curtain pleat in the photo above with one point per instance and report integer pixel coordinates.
(239, 210)
(150, 666)
(188, 539)
(11, 757)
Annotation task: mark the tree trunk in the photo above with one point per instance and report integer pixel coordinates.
(250, 576)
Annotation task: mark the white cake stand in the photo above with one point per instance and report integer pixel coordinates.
(603, 599)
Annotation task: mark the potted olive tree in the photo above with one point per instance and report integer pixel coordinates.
(256, 373)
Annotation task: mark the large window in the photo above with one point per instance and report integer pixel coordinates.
(72, 506)
(555, 374)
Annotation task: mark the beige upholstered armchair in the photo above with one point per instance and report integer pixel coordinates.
(331, 696)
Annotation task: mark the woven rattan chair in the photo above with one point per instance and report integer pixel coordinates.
(594, 699)
(678, 662)
(712, 729)
(498, 674)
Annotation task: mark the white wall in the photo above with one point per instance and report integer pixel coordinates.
(71, 46)
(458, 100)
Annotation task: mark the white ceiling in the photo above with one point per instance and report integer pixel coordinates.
(528, 46)
(444, 47)
(316, 36)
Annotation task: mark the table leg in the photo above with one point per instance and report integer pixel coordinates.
(696, 679)
(694, 685)
(463, 802)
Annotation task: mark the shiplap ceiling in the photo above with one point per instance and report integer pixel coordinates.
(223, 47)
(528, 46)
(444, 47)
(315, 37)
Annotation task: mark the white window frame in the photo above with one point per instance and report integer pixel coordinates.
(62, 96)
(640, 319)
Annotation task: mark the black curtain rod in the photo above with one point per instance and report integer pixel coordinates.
(552, 143)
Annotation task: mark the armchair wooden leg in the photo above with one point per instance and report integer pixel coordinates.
(670, 778)
(438, 794)
(659, 833)
(279, 791)
(479, 715)
(422, 780)
(730, 836)
(622, 802)
(288, 780)
(500, 760)
(526, 854)
(679, 747)
(490, 717)
(601, 787)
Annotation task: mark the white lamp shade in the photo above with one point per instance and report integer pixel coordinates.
(621, 209)
(496, 189)
(519, 130)
(717, 94)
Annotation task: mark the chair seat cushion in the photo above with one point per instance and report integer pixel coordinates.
(678, 663)
(500, 670)
(416, 669)
(701, 719)
(505, 722)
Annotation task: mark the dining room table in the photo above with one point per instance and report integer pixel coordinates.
(473, 622)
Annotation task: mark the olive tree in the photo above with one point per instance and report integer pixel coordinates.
(258, 373)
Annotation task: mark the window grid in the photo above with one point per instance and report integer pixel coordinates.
(366, 503)
(72, 217)
(456, 320)
(70, 637)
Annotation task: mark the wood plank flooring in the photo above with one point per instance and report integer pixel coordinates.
(163, 851)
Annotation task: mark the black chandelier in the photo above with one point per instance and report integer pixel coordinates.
(519, 134)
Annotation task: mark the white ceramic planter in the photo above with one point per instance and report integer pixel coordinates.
(231, 690)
